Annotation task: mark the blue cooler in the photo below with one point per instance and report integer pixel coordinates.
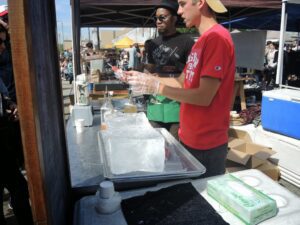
(281, 112)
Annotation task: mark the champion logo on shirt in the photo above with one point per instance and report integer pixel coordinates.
(218, 68)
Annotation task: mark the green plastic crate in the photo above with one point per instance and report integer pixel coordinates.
(162, 109)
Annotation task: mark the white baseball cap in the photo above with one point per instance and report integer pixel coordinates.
(216, 5)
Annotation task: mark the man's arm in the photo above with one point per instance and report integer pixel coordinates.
(202, 96)
(4, 24)
(172, 88)
(172, 82)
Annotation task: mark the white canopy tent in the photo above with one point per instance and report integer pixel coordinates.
(284, 18)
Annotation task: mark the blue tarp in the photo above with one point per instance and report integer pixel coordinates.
(269, 20)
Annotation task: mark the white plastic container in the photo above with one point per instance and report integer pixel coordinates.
(241, 199)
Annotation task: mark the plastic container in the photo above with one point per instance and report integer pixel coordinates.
(241, 199)
(179, 163)
(280, 112)
(163, 110)
(108, 201)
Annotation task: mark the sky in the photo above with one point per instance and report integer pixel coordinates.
(63, 18)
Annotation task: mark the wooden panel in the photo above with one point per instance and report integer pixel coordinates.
(38, 85)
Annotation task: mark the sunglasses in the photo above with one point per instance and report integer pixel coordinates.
(161, 18)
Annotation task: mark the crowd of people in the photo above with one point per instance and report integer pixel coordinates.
(265, 79)
(291, 58)
(66, 66)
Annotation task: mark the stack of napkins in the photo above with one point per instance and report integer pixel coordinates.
(244, 201)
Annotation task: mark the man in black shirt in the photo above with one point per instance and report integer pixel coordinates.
(168, 52)
(166, 56)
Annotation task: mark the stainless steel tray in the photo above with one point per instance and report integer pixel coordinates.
(179, 163)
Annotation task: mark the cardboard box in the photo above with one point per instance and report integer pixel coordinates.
(270, 170)
(249, 154)
(240, 134)
(232, 142)
(234, 167)
(267, 168)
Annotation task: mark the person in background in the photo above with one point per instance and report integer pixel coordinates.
(134, 57)
(62, 67)
(70, 71)
(205, 87)
(11, 177)
(138, 55)
(268, 47)
(296, 45)
(89, 49)
(271, 64)
(6, 66)
(4, 16)
(166, 56)
(66, 54)
(124, 60)
(145, 54)
(3, 92)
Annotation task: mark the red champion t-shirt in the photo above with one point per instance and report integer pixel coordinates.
(206, 127)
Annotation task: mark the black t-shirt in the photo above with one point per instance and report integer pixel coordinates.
(6, 74)
(169, 54)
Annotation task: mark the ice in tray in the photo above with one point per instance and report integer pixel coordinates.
(174, 162)
(131, 149)
(120, 122)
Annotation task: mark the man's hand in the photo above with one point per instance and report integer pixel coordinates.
(4, 24)
(12, 111)
(142, 83)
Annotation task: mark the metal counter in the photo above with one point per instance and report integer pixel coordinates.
(84, 157)
(288, 203)
(86, 166)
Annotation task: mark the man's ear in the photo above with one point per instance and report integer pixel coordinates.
(200, 3)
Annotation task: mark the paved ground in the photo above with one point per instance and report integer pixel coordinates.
(66, 87)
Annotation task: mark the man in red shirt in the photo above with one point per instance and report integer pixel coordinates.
(205, 87)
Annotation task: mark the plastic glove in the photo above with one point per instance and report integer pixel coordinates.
(142, 83)
(119, 74)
